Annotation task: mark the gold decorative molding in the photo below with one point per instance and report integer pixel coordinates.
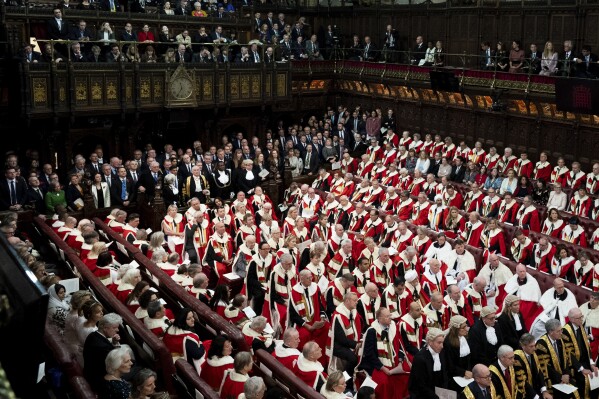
(256, 83)
(128, 89)
(245, 86)
(96, 92)
(40, 92)
(81, 90)
(144, 88)
(157, 90)
(234, 86)
(111, 90)
(281, 85)
(207, 89)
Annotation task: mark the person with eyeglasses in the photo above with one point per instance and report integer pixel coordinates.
(481, 387)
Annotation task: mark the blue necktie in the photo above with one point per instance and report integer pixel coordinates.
(13, 193)
(123, 189)
(155, 177)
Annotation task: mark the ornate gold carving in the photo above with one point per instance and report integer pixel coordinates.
(128, 89)
(40, 92)
(256, 86)
(96, 92)
(281, 84)
(144, 88)
(245, 86)
(80, 90)
(157, 89)
(268, 88)
(111, 91)
(207, 89)
(234, 86)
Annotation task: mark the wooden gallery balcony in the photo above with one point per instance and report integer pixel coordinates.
(75, 89)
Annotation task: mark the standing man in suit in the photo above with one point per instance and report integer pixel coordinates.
(82, 35)
(148, 180)
(97, 346)
(58, 29)
(13, 191)
(526, 363)
(122, 191)
(311, 161)
(35, 196)
(419, 50)
(429, 368)
(486, 56)
(481, 387)
(586, 64)
(390, 44)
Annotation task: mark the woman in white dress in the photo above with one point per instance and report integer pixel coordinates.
(92, 313)
(75, 318)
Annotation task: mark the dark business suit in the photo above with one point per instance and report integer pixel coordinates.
(423, 379)
(186, 57)
(146, 180)
(534, 64)
(528, 366)
(457, 175)
(55, 32)
(36, 198)
(95, 350)
(20, 191)
(116, 190)
(313, 166)
(587, 71)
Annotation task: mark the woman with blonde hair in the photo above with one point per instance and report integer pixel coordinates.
(129, 277)
(335, 386)
(457, 349)
(173, 227)
(132, 54)
(156, 243)
(549, 60)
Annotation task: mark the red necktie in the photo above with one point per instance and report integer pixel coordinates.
(508, 379)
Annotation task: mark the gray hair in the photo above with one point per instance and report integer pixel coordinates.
(158, 256)
(289, 333)
(258, 322)
(504, 350)
(286, 258)
(308, 346)
(345, 242)
(110, 319)
(305, 273)
(114, 359)
(253, 386)
(527, 339)
(241, 360)
(552, 325)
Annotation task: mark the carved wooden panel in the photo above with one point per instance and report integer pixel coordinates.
(591, 33)
(563, 27)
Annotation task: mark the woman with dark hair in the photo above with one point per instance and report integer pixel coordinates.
(218, 361)
(562, 265)
(144, 300)
(540, 194)
(554, 224)
(183, 342)
(100, 192)
(501, 58)
(220, 299)
(457, 350)
(524, 187)
(105, 270)
(516, 57)
(74, 192)
(133, 298)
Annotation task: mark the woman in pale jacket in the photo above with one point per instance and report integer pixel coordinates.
(100, 192)
(296, 163)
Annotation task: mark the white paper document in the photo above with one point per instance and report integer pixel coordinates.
(443, 393)
(249, 312)
(70, 285)
(336, 165)
(263, 173)
(368, 382)
(268, 329)
(323, 283)
(594, 382)
(565, 388)
(177, 240)
(231, 276)
(463, 382)
(303, 245)
(121, 248)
